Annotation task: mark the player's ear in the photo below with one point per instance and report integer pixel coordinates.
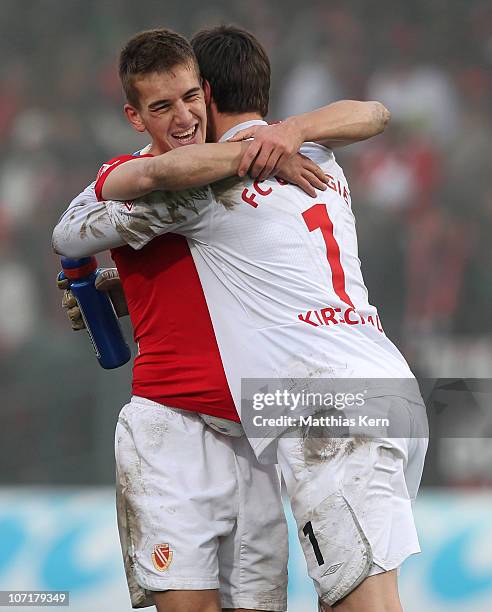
(134, 117)
(207, 92)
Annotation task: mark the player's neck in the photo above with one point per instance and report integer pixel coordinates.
(223, 122)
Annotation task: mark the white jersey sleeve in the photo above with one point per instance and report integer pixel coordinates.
(85, 228)
(160, 212)
(88, 226)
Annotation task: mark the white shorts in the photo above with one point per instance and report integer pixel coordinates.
(197, 511)
(352, 500)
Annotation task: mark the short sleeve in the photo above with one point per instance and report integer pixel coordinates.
(108, 167)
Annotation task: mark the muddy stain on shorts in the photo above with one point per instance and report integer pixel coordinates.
(155, 433)
(269, 599)
(322, 443)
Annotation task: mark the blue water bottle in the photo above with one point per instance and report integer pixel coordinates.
(100, 318)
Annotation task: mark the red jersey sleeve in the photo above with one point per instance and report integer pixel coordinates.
(108, 167)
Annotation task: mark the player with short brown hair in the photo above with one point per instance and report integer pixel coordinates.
(151, 51)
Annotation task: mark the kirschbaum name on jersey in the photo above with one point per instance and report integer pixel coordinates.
(333, 315)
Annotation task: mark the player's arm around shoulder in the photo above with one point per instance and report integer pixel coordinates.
(344, 122)
(337, 124)
(182, 168)
(180, 199)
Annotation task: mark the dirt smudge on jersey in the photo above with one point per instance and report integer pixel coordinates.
(228, 191)
(94, 224)
(174, 202)
(150, 215)
(135, 226)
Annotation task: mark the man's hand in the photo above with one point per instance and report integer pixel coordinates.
(303, 172)
(272, 146)
(107, 280)
(337, 124)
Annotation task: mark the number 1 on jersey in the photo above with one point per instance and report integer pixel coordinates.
(315, 218)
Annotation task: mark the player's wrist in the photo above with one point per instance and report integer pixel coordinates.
(297, 132)
(297, 129)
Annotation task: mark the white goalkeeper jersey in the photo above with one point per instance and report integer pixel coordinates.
(280, 273)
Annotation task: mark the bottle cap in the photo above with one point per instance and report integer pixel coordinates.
(75, 269)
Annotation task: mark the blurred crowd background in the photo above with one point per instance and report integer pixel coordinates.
(421, 193)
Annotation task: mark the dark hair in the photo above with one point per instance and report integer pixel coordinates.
(237, 68)
(152, 51)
